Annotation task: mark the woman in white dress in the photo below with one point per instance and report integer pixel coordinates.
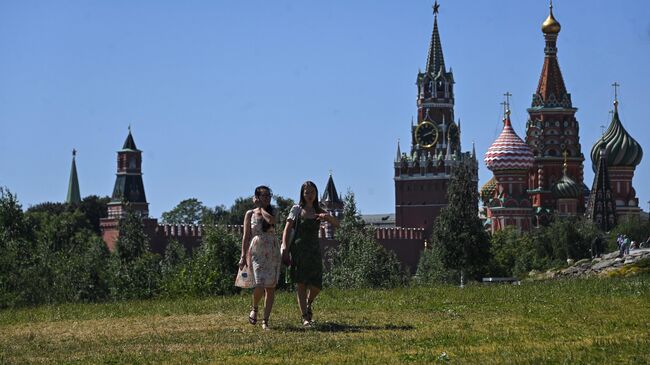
(261, 250)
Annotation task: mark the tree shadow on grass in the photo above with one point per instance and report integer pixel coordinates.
(342, 327)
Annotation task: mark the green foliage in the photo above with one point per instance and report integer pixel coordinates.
(458, 234)
(92, 206)
(359, 261)
(238, 210)
(95, 208)
(431, 269)
(189, 211)
(516, 254)
(132, 242)
(134, 269)
(212, 269)
(634, 227)
(49, 255)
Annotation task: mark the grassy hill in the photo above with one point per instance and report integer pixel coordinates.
(587, 321)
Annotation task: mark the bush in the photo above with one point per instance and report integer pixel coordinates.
(134, 269)
(359, 261)
(210, 271)
(431, 269)
(513, 253)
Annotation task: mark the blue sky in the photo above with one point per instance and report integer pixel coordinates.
(226, 95)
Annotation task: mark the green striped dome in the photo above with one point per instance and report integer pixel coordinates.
(622, 149)
(566, 188)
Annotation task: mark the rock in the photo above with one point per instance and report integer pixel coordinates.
(603, 264)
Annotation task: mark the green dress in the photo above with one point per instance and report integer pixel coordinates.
(306, 260)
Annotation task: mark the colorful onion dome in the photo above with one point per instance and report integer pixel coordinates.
(509, 152)
(487, 190)
(566, 188)
(621, 148)
(551, 25)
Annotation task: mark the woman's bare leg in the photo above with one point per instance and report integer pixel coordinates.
(301, 294)
(268, 302)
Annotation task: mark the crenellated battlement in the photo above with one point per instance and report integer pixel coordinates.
(391, 233)
(196, 230)
(192, 230)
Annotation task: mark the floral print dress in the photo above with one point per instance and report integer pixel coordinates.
(264, 254)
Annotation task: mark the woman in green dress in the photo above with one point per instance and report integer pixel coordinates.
(306, 269)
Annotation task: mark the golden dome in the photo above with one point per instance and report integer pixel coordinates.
(551, 25)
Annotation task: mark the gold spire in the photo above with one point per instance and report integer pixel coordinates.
(551, 25)
(565, 165)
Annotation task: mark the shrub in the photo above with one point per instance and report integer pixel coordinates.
(359, 261)
(431, 269)
(135, 271)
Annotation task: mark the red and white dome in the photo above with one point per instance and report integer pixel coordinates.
(509, 152)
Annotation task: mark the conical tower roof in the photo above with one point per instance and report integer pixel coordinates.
(74, 196)
(129, 143)
(551, 91)
(601, 208)
(435, 59)
(330, 195)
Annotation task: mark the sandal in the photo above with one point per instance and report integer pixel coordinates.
(305, 321)
(252, 317)
(265, 324)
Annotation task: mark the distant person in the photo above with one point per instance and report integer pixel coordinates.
(626, 245)
(261, 250)
(596, 246)
(620, 241)
(302, 249)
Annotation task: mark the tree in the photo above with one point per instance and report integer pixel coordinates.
(239, 209)
(135, 270)
(458, 232)
(359, 261)
(95, 208)
(188, 211)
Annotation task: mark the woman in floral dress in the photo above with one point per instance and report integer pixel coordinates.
(261, 252)
(306, 261)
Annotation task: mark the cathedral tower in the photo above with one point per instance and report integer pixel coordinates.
(552, 129)
(622, 154)
(506, 197)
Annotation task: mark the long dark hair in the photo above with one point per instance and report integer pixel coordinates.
(268, 208)
(303, 203)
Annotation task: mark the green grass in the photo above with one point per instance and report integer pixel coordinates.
(587, 321)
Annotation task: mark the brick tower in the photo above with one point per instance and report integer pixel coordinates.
(128, 191)
(552, 129)
(422, 176)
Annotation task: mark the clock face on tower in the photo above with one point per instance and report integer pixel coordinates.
(426, 134)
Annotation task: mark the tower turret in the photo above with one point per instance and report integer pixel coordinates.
(622, 155)
(509, 158)
(128, 192)
(552, 129)
(74, 196)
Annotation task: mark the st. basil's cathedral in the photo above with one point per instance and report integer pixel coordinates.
(544, 175)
